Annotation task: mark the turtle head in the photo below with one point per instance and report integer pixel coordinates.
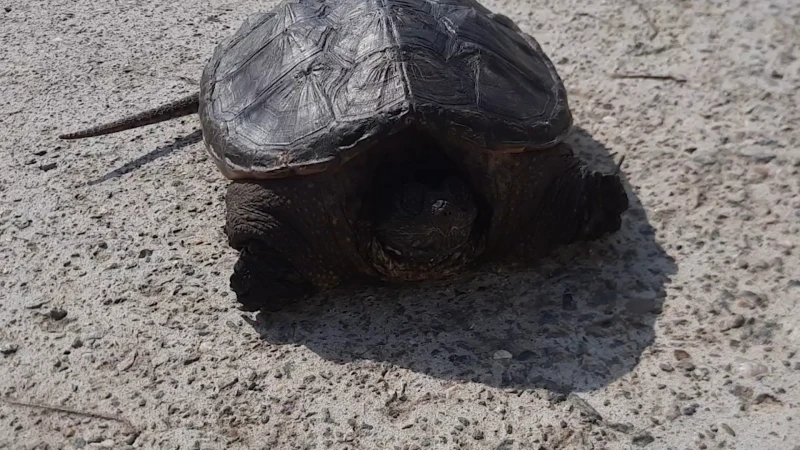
(427, 220)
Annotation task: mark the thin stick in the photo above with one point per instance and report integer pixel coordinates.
(619, 165)
(647, 18)
(646, 76)
(69, 411)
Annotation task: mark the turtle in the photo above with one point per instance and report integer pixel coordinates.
(388, 140)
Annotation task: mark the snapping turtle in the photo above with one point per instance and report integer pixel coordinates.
(402, 140)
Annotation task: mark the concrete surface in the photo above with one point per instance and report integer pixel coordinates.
(679, 332)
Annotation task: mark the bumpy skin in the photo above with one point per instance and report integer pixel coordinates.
(300, 235)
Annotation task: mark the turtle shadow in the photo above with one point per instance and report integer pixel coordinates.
(160, 152)
(577, 321)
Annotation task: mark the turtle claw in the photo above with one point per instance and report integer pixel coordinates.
(618, 168)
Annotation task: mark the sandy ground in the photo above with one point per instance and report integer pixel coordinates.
(681, 331)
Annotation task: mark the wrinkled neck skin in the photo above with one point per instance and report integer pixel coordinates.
(423, 229)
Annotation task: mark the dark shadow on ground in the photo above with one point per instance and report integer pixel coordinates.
(576, 322)
(160, 152)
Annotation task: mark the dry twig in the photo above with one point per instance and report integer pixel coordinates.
(69, 411)
(646, 76)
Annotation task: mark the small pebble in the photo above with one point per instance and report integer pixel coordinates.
(642, 439)
(502, 354)
(751, 368)
(727, 429)
(732, 323)
(48, 167)
(9, 349)
(666, 367)
(680, 355)
(57, 314)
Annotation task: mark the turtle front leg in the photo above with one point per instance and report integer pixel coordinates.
(262, 280)
(582, 205)
(278, 263)
(565, 203)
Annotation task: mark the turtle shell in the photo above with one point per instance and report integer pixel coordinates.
(310, 84)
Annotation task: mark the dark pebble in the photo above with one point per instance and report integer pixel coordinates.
(48, 167)
(689, 410)
(57, 314)
(666, 367)
(526, 355)
(9, 349)
(642, 439)
(765, 397)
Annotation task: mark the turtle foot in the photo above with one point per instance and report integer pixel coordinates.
(583, 205)
(262, 282)
(606, 200)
